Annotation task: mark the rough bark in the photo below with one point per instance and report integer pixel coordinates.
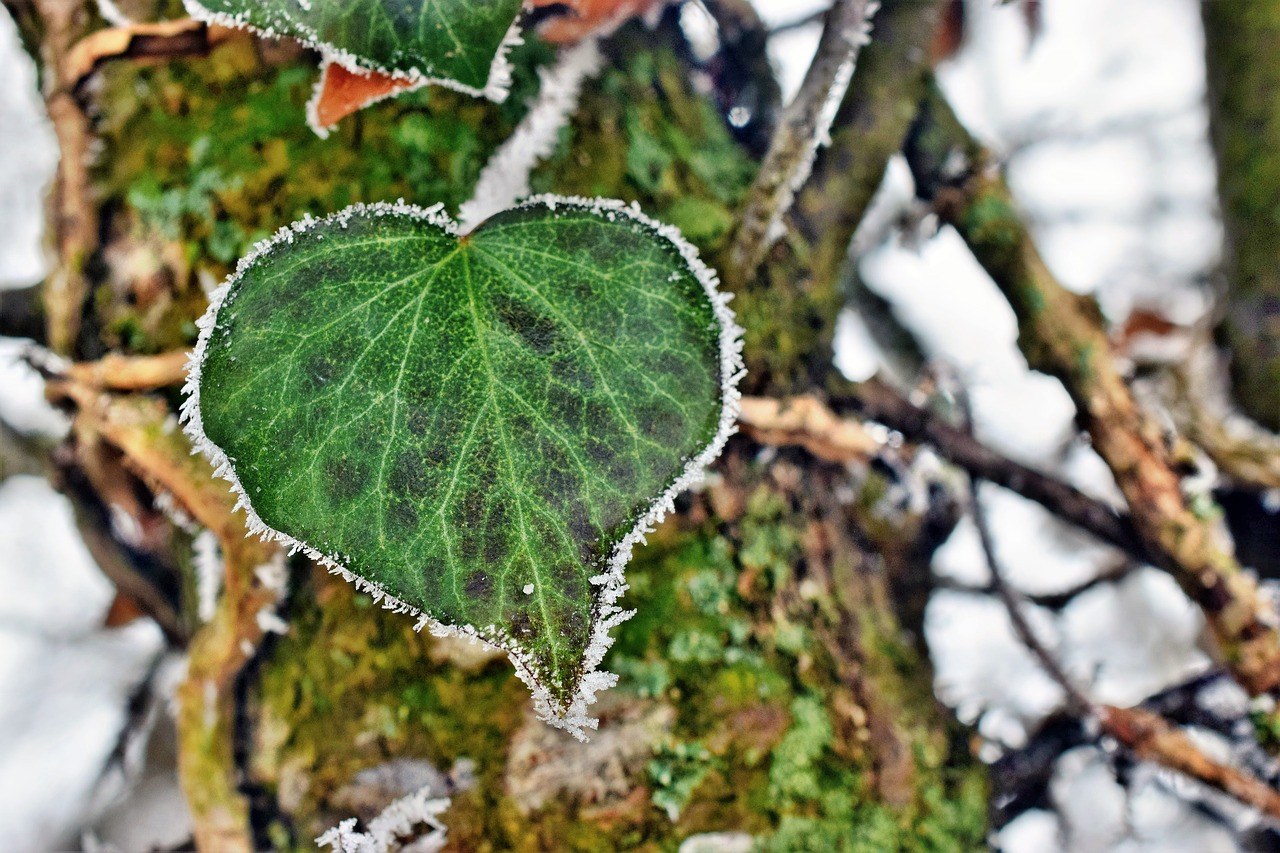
(1241, 43)
(768, 684)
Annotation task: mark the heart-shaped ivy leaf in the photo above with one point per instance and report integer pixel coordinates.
(455, 43)
(477, 428)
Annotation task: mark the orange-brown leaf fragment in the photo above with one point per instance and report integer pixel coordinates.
(341, 92)
(584, 17)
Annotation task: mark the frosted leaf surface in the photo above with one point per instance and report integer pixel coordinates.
(454, 43)
(475, 428)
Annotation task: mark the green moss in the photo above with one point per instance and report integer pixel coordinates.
(1241, 39)
(351, 685)
(675, 773)
(666, 147)
(352, 673)
(213, 154)
(793, 775)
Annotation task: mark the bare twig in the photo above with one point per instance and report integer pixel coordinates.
(141, 428)
(1153, 738)
(881, 403)
(1077, 701)
(73, 215)
(806, 422)
(796, 23)
(116, 372)
(1054, 601)
(804, 126)
(161, 40)
(1061, 334)
(1148, 735)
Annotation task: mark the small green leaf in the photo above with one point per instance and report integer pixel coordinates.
(455, 43)
(475, 428)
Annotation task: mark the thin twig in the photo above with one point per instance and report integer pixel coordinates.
(1061, 333)
(1148, 735)
(73, 215)
(804, 126)
(879, 402)
(1077, 701)
(796, 23)
(1054, 601)
(806, 422)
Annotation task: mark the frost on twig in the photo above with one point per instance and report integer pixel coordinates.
(209, 570)
(505, 178)
(805, 128)
(395, 828)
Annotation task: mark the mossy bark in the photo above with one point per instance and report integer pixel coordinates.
(1241, 43)
(767, 684)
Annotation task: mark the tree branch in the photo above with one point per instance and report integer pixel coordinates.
(1153, 738)
(805, 124)
(161, 40)
(806, 422)
(879, 402)
(1148, 735)
(73, 215)
(791, 304)
(1061, 334)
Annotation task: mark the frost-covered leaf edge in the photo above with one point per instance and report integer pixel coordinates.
(496, 88)
(606, 615)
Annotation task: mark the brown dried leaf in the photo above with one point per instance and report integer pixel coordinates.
(585, 17)
(341, 92)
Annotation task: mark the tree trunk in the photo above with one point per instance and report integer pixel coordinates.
(768, 685)
(1241, 42)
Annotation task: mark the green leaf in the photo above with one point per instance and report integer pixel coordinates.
(476, 428)
(455, 43)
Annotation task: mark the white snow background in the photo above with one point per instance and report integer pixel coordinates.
(1103, 126)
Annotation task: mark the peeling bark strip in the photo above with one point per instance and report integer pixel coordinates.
(1061, 334)
(1242, 41)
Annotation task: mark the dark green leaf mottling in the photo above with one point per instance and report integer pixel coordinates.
(464, 419)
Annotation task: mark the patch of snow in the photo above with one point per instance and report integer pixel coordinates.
(22, 402)
(62, 712)
(28, 157)
(52, 585)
